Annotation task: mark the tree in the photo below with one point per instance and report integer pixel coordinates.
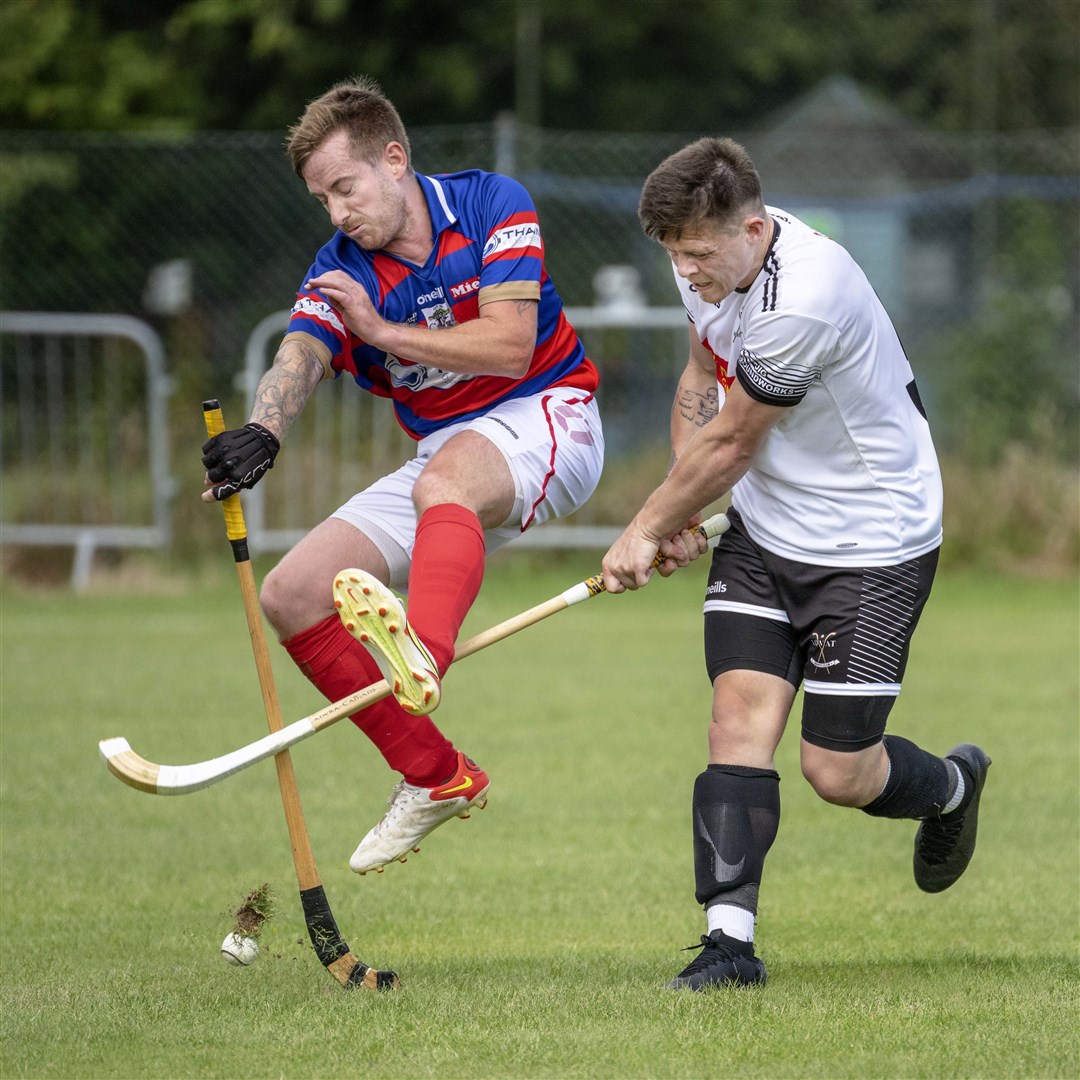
(616, 65)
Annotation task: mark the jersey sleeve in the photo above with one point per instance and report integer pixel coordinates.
(512, 264)
(783, 356)
(313, 314)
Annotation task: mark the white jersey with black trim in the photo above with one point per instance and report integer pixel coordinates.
(849, 476)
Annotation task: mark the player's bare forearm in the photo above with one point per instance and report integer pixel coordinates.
(697, 397)
(702, 474)
(697, 407)
(500, 341)
(697, 401)
(710, 463)
(284, 389)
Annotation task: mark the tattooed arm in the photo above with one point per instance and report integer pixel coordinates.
(239, 458)
(713, 448)
(697, 398)
(300, 364)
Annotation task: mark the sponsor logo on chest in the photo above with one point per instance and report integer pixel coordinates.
(465, 288)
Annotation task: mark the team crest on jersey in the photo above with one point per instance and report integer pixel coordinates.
(439, 316)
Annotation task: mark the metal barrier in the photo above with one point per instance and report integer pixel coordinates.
(342, 443)
(79, 465)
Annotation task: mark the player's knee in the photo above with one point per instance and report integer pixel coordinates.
(843, 778)
(749, 711)
(272, 595)
(284, 602)
(829, 778)
(732, 737)
(841, 750)
(432, 488)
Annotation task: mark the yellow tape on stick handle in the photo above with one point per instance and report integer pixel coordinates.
(234, 513)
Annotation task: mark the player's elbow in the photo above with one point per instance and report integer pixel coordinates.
(519, 366)
(518, 355)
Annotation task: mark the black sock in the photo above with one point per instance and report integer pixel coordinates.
(736, 811)
(918, 783)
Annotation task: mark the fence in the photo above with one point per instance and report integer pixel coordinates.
(80, 396)
(208, 233)
(970, 239)
(81, 469)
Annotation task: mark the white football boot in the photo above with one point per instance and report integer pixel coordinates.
(416, 811)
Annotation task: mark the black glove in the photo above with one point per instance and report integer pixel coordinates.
(237, 459)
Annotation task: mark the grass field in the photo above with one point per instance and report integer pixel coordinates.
(533, 940)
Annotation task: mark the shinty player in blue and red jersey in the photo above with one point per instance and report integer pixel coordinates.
(500, 398)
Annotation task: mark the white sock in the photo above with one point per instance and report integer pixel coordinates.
(958, 794)
(733, 920)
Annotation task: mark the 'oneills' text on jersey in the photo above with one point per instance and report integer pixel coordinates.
(848, 476)
(487, 247)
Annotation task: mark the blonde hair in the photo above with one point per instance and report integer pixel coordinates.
(356, 106)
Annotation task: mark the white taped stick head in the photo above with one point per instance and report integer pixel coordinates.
(109, 748)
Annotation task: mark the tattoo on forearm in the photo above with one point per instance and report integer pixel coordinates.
(698, 408)
(285, 388)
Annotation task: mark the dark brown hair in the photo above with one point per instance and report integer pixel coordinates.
(711, 180)
(357, 106)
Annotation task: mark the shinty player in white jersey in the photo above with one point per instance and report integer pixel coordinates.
(798, 399)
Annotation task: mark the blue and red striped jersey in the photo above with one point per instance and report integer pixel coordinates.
(487, 247)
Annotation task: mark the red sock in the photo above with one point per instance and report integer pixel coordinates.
(339, 665)
(447, 569)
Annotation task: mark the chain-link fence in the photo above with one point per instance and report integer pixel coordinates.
(95, 222)
(970, 240)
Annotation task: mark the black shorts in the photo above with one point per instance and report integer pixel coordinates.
(841, 632)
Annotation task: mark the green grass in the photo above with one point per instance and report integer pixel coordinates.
(534, 939)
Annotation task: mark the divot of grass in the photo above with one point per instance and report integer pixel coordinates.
(257, 908)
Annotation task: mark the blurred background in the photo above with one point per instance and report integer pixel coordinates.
(152, 234)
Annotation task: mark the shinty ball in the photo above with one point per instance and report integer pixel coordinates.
(239, 950)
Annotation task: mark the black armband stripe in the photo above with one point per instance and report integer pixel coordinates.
(765, 383)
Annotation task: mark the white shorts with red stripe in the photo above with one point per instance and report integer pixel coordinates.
(553, 443)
